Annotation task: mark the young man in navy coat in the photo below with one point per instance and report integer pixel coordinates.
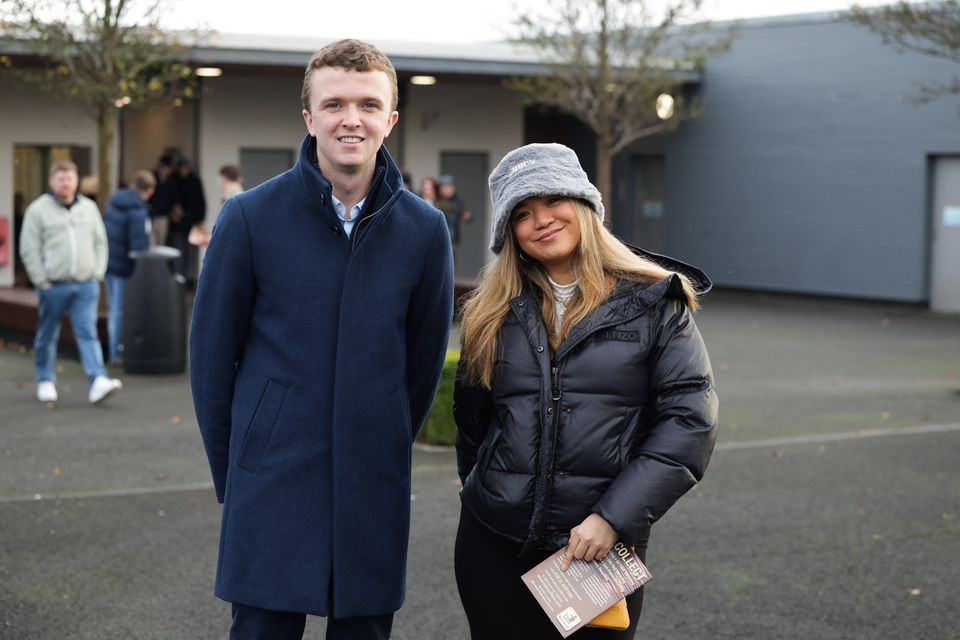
(319, 330)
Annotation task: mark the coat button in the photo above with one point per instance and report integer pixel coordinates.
(520, 304)
(540, 349)
(335, 229)
(549, 410)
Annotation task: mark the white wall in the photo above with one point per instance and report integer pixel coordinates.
(245, 111)
(149, 132)
(30, 117)
(459, 117)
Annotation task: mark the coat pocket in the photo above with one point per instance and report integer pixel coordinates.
(261, 426)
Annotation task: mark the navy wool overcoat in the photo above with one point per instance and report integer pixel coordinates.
(314, 358)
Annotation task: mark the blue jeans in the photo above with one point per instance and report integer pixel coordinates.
(79, 300)
(116, 286)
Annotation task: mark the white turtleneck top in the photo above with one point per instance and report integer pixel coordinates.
(562, 293)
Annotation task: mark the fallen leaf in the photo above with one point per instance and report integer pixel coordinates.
(915, 592)
(877, 536)
(885, 415)
(20, 386)
(160, 477)
(948, 516)
(176, 420)
(51, 406)
(56, 471)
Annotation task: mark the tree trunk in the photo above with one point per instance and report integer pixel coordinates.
(605, 178)
(106, 128)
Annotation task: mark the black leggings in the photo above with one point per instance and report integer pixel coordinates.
(497, 602)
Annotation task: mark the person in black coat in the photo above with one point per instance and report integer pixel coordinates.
(584, 400)
(191, 210)
(127, 220)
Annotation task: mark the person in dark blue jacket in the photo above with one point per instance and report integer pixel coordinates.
(320, 327)
(127, 219)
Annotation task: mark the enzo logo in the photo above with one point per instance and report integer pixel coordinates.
(621, 336)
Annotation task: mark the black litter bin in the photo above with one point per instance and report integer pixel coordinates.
(154, 315)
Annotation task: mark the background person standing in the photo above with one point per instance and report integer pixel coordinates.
(127, 220)
(191, 212)
(64, 249)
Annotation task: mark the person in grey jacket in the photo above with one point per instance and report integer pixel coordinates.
(584, 400)
(64, 249)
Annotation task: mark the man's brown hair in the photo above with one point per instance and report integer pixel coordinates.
(231, 172)
(143, 181)
(63, 165)
(353, 55)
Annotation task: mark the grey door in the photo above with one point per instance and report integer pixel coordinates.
(945, 249)
(470, 169)
(259, 165)
(649, 223)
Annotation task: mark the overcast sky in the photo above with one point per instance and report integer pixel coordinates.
(458, 21)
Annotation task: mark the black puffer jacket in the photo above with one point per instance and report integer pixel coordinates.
(620, 422)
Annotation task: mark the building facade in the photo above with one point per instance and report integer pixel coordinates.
(809, 172)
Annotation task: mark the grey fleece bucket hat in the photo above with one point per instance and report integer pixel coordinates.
(536, 170)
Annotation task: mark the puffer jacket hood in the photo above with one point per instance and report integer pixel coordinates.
(619, 421)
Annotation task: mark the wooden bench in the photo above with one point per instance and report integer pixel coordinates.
(19, 313)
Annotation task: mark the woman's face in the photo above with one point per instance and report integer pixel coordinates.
(426, 188)
(548, 230)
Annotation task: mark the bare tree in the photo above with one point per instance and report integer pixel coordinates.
(619, 66)
(931, 28)
(104, 55)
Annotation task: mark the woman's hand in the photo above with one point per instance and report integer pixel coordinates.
(590, 540)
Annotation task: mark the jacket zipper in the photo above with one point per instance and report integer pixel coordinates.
(555, 395)
(356, 229)
(72, 234)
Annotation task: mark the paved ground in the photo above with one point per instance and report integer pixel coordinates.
(831, 508)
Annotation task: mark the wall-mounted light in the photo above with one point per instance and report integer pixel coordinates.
(424, 81)
(122, 102)
(209, 72)
(665, 106)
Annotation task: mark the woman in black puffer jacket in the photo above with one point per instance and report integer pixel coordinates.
(584, 401)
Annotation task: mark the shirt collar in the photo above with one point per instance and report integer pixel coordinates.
(341, 208)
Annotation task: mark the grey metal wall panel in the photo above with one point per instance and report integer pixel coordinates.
(808, 172)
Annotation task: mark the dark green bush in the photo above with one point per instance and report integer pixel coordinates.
(438, 427)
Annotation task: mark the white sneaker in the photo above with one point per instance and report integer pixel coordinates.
(102, 388)
(46, 391)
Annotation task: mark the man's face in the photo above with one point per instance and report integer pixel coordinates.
(447, 190)
(64, 185)
(350, 115)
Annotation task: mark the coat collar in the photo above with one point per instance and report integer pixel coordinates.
(317, 189)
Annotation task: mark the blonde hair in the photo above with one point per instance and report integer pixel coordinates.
(600, 261)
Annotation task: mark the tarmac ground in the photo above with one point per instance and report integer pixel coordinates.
(831, 508)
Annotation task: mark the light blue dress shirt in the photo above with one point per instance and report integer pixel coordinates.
(342, 213)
